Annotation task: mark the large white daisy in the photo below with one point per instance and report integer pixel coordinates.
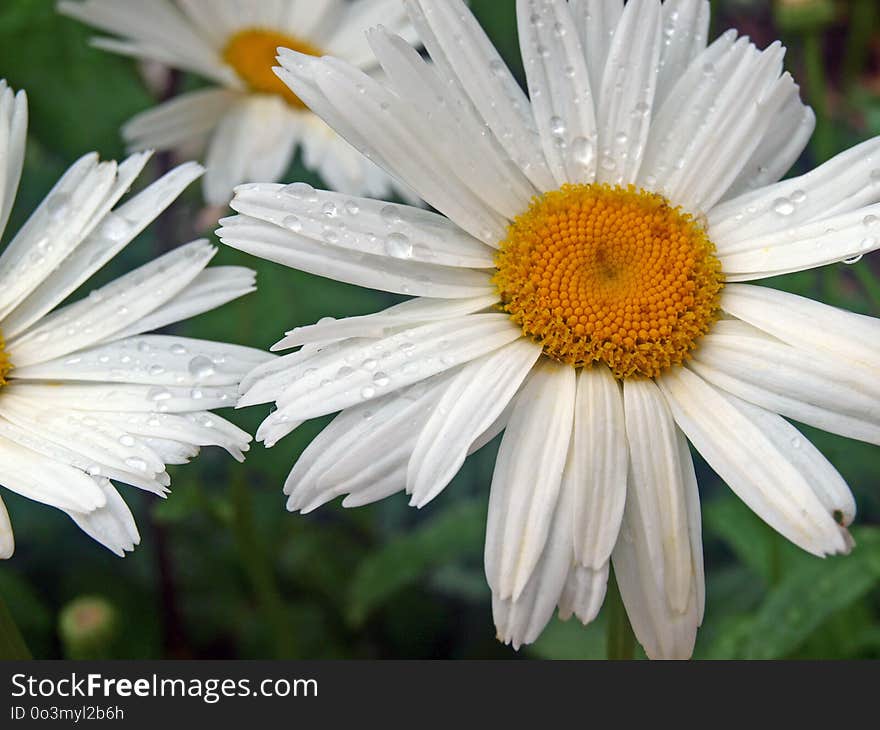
(583, 290)
(86, 396)
(251, 122)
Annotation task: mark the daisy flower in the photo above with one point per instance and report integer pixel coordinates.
(86, 396)
(250, 121)
(583, 288)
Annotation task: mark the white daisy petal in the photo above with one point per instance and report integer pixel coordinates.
(237, 154)
(112, 307)
(559, 88)
(748, 456)
(111, 525)
(784, 141)
(351, 442)
(807, 385)
(685, 32)
(656, 491)
(54, 229)
(413, 311)
(842, 238)
(7, 537)
(348, 39)
(151, 359)
(210, 289)
(13, 133)
(180, 120)
(597, 466)
(362, 225)
(521, 620)
(42, 444)
(805, 323)
(457, 130)
(596, 21)
(475, 398)
(162, 34)
(465, 55)
(401, 276)
(125, 397)
(319, 387)
(842, 185)
(626, 95)
(43, 480)
(528, 478)
(583, 593)
(115, 231)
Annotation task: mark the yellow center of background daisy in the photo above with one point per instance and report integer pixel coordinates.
(252, 52)
(5, 365)
(595, 273)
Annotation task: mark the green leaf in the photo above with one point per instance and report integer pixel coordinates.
(811, 593)
(455, 533)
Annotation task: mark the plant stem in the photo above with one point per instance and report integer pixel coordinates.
(12, 644)
(823, 138)
(621, 642)
(259, 570)
(862, 21)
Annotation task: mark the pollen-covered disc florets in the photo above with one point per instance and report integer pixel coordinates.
(597, 273)
(251, 52)
(5, 365)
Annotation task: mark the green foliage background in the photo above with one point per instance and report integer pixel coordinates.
(224, 571)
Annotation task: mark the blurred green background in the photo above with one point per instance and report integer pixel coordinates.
(223, 571)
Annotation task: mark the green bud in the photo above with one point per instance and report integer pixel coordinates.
(88, 626)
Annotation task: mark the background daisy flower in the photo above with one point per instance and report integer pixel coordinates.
(582, 288)
(87, 397)
(251, 123)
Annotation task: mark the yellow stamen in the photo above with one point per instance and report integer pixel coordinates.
(596, 273)
(251, 52)
(5, 365)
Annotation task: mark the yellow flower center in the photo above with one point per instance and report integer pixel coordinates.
(595, 273)
(5, 365)
(251, 52)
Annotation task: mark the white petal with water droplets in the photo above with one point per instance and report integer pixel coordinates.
(401, 360)
(475, 398)
(626, 95)
(112, 307)
(528, 477)
(847, 182)
(363, 225)
(685, 26)
(153, 360)
(596, 21)
(464, 55)
(559, 89)
(43, 480)
(400, 276)
(747, 456)
(13, 136)
(111, 525)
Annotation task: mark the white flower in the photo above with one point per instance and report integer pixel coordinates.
(85, 396)
(582, 290)
(250, 121)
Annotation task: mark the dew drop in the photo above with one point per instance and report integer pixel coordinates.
(301, 191)
(201, 367)
(398, 246)
(783, 206)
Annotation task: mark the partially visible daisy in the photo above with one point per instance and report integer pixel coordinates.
(86, 396)
(251, 122)
(583, 291)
